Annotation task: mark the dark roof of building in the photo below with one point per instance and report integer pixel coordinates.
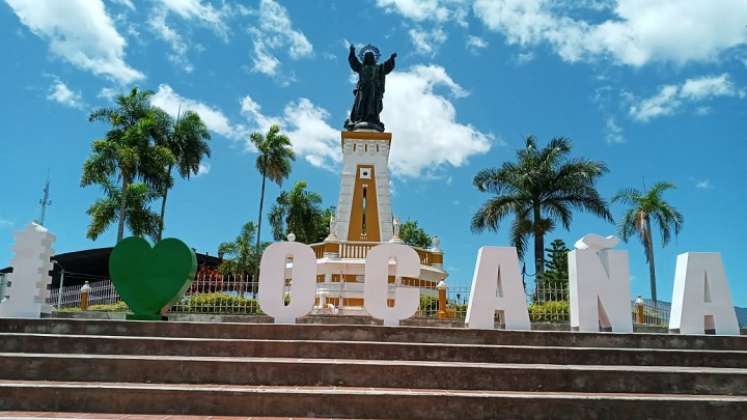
(93, 265)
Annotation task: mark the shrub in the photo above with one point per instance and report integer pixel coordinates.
(218, 303)
(428, 305)
(555, 310)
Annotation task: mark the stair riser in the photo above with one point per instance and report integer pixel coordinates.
(363, 351)
(368, 375)
(403, 406)
(369, 333)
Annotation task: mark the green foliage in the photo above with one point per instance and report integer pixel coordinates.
(549, 311)
(219, 303)
(299, 211)
(556, 267)
(120, 306)
(645, 207)
(129, 164)
(414, 235)
(186, 139)
(428, 305)
(275, 154)
(541, 188)
(242, 254)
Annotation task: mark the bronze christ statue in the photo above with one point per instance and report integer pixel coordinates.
(369, 91)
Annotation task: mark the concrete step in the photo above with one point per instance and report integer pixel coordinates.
(371, 333)
(368, 373)
(235, 400)
(365, 350)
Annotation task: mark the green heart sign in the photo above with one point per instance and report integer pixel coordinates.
(148, 279)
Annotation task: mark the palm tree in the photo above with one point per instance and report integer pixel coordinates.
(243, 255)
(645, 206)
(187, 140)
(128, 164)
(273, 162)
(299, 211)
(541, 188)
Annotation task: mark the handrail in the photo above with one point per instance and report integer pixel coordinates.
(359, 250)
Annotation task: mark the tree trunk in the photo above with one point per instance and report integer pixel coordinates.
(261, 204)
(539, 252)
(255, 280)
(122, 208)
(651, 265)
(163, 208)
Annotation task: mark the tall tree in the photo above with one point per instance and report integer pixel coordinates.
(243, 256)
(555, 278)
(128, 164)
(273, 162)
(542, 187)
(645, 206)
(187, 139)
(414, 235)
(299, 211)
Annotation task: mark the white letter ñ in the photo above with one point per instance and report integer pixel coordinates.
(599, 286)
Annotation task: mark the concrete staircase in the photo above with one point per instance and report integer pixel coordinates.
(355, 371)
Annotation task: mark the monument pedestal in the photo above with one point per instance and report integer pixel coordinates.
(363, 220)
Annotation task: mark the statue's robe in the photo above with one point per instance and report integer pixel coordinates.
(369, 91)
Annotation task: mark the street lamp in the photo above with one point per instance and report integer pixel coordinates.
(62, 281)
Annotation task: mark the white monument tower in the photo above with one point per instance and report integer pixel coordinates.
(26, 287)
(364, 210)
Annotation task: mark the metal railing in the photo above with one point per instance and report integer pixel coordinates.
(101, 293)
(236, 294)
(360, 249)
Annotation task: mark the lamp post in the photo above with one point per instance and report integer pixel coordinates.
(62, 282)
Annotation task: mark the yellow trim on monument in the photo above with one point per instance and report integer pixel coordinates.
(365, 135)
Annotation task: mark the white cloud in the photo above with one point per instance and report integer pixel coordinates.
(671, 98)
(108, 93)
(427, 135)
(273, 31)
(704, 184)
(524, 57)
(126, 3)
(171, 102)
(422, 10)
(640, 31)
(614, 131)
(190, 11)
(427, 42)
(60, 93)
(475, 43)
(306, 126)
(81, 32)
(203, 169)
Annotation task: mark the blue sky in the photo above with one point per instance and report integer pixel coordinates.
(656, 89)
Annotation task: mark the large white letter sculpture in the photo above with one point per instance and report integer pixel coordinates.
(26, 289)
(701, 299)
(496, 284)
(599, 286)
(376, 287)
(271, 294)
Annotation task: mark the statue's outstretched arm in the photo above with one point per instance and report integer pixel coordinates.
(353, 60)
(389, 64)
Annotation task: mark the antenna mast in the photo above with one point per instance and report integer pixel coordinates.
(45, 202)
